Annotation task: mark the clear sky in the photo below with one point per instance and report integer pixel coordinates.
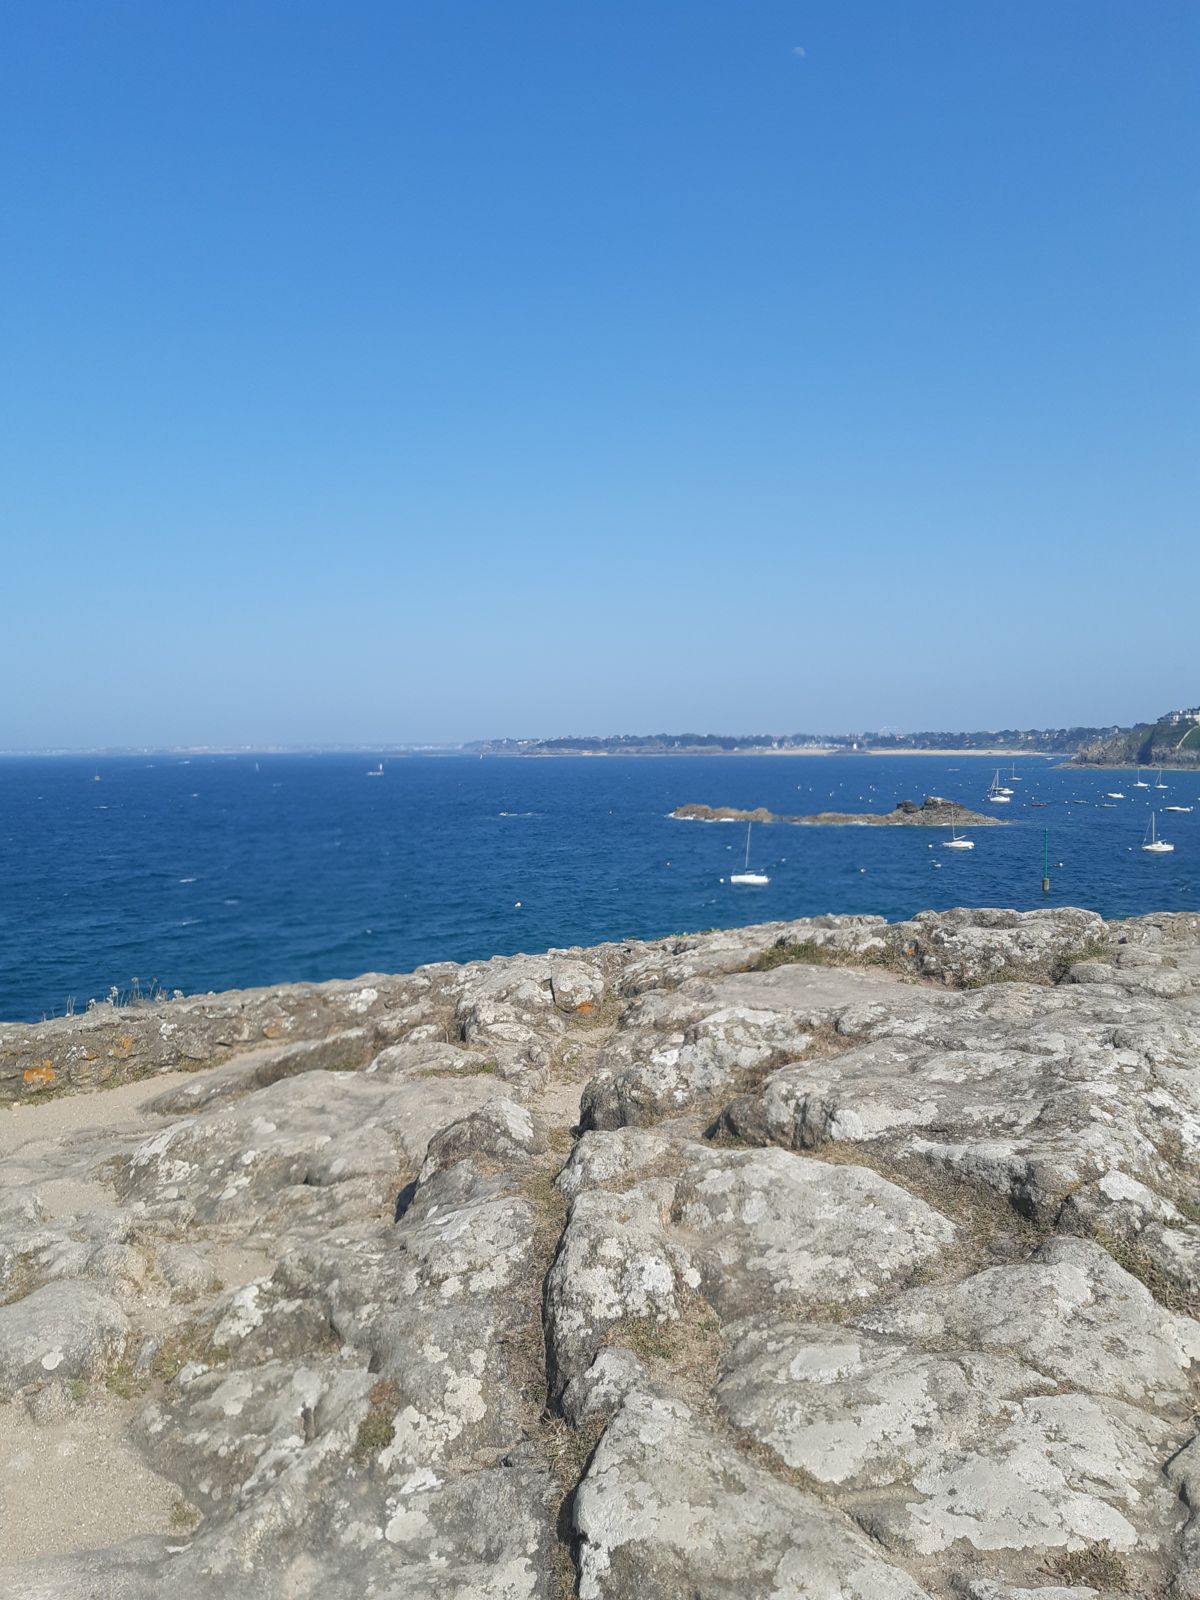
(429, 369)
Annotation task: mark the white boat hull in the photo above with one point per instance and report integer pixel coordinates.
(749, 877)
(1158, 848)
(958, 844)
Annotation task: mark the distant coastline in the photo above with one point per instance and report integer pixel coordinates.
(1005, 753)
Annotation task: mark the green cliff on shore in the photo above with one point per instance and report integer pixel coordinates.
(1172, 741)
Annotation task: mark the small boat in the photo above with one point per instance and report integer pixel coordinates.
(997, 794)
(375, 772)
(1039, 802)
(1141, 782)
(1177, 808)
(1114, 794)
(1015, 776)
(745, 875)
(1158, 783)
(956, 842)
(1153, 844)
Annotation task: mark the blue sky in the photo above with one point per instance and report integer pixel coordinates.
(403, 371)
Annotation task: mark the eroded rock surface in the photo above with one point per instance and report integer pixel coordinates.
(833, 1260)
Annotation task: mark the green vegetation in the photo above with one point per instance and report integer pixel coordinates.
(181, 1348)
(1047, 973)
(1172, 741)
(485, 1067)
(377, 1429)
(809, 952)
(183, 1516)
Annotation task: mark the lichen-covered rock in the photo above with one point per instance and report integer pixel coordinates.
(954, 1445)
(746, 1229)
(1076, 1315)
(62, 1330)
(710, 1036)
(666, 1509)
(1034, 1092)
(869, 1274)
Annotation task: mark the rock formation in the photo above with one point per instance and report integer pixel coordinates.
(829, 1260)
(933, 812)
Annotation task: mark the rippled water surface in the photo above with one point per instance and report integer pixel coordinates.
(230, 871)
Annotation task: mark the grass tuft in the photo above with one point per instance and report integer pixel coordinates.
(377, 1429)
(1096, 1565)
(812, 953)
(1140, 1264)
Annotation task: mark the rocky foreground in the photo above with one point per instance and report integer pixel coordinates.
(827, 1259)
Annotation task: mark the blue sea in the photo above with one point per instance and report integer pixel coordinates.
(229, 871)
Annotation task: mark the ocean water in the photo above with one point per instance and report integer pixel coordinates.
(221, 872)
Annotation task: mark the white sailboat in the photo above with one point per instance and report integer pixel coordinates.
(956, 841)
(1114, 794)
(1154, 844)
(375, 772)
(745, 875)
(1141, 782)
(997, 793)
(1158, 783)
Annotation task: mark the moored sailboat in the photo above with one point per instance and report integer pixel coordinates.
(1153, 844)
(745, 875)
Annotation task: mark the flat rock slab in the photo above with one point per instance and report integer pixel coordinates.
(62, 1330)
(667, 1509)
(651, 1222)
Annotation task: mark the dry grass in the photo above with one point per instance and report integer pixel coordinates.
(990, 1228)
(564, 1449)
(686, 1351)
(486, 1067)
(1140, 1264)
(603, 1013)
(21, 1279)
(767, 1460)
(1096, 1565)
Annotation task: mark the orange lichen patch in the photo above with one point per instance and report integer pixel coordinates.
(123, 1046)
(585, 1006)
(43, 1073)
